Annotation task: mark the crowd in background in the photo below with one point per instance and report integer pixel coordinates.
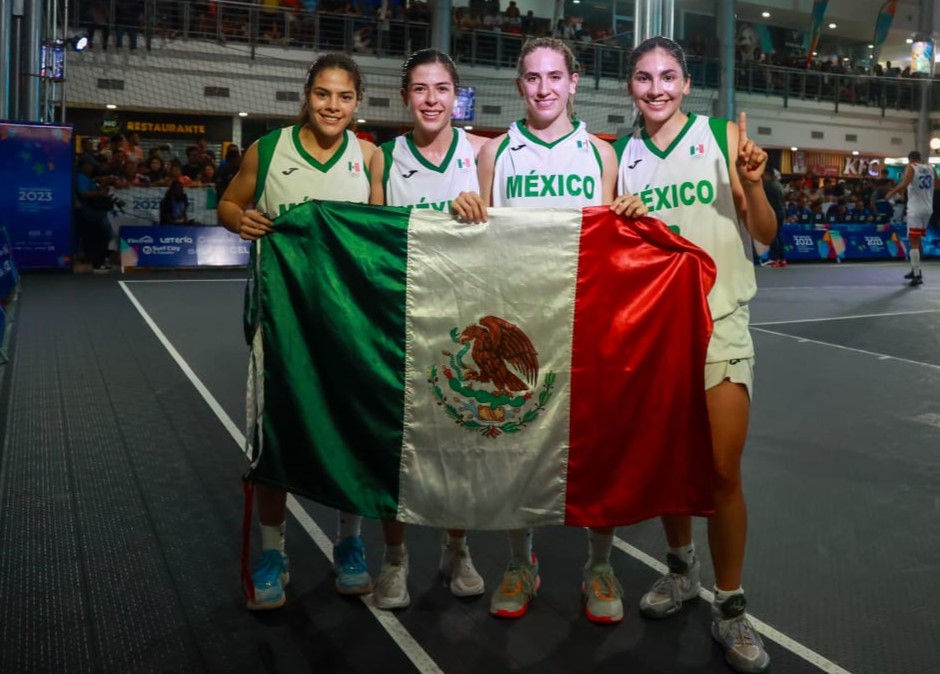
(817, 201)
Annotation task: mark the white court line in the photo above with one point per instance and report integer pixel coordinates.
(879, 356)
(771, 633)
(405, 641)
(847, 318)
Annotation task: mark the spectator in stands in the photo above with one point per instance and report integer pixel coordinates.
(134, 149)
(228, 168)
(87, 151)
(130, 176)
(99, 20)
(529, 23)
(206, 177)
(175, 173)
(126, 20)
(103, 154)
(156, 173)
(174, 206)
(838, 213)
(194, 162)
(859, 212)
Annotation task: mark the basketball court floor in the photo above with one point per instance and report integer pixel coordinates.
(121, 502)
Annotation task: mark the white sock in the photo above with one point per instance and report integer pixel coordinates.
(272, 538)
(395, 554)
(347, 525)
(915, 261)
(686, 552)
(599, 546)
(520, 545)
(722, 595)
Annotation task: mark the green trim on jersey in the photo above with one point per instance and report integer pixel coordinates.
(720, 132)
(266, 147)
(524, 130)
(323, 168)
(387, 147)
(409, 141)
(662, 154)
(597, 156)
(620, 145)
(502, 146)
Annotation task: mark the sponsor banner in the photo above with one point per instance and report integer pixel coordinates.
(172, 246)
(36, 193)
(141, 206)
(850, 242)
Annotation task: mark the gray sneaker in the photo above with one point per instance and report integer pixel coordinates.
(667, 594)
(744, 649)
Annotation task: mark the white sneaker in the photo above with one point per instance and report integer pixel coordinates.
(391, 587)
(682, 583)
(744, 649)
(459, 573)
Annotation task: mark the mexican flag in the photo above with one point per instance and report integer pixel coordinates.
(545, 367)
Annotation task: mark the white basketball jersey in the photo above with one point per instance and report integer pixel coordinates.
(411, 180)
(531, 172)
(688, 187)
(288, 175)
(920, 190)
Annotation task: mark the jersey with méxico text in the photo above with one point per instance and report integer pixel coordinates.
(920, 190)
(530, 172)
(288, 175)
(411, 180)
(688, 187)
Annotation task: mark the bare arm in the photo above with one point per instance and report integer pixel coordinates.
(249, 224)
(376, 173)
(486, 167)
(608, 169)
(905, 181)
(747, 185)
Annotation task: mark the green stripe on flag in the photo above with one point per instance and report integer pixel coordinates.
(338, 403)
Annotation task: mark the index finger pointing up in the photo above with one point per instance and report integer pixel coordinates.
(742, 127)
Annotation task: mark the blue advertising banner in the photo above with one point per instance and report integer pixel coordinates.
(850, 242)
(36, 193)
(9, 278)
(179, 246)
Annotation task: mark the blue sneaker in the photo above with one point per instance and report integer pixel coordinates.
(270, 576)
(349, 562)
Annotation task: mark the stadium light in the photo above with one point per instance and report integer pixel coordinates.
(79, 42)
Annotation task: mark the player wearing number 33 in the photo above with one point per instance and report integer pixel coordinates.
(702, 177)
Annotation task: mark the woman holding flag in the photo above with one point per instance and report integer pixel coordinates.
(712, 171)
(550, 143)
(426, 168)
(318, 158)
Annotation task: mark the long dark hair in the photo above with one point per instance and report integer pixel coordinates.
(326, 62)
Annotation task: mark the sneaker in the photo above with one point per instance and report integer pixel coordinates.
(744, 649)
(916, 280)
(349, 562)
(602, 593)
(459, 572)
(391, 587)
(909, 275)
(667, 594)
(269, 578)
(520, 583)
(101, 269)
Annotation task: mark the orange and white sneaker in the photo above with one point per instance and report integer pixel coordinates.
(603, 595)
(520, 583)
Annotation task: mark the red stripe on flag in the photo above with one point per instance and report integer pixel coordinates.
(640, 444)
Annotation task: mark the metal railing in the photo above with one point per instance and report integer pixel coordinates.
(158, 22)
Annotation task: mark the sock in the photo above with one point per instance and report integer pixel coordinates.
(347, 525)
(395, 554)
(722, 595)
(685, 552)
(520, 546)
(272, 537)
(599, 546)
(915, 262)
